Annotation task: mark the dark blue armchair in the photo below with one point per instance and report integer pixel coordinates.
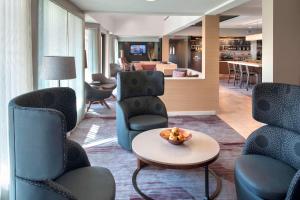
(45, 165)
(138, 107)
(270, 165)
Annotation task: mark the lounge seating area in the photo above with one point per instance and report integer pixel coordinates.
(149, 99)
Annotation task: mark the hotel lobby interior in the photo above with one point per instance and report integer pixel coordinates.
(150, 99)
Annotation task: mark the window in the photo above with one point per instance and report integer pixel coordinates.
(62, 35)
(92, 53)
(16, 70)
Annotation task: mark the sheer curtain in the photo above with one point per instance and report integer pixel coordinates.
(62, 35)
(16, 70)
(116, 44)
(75, 48)
(53, 36)
(92, 52)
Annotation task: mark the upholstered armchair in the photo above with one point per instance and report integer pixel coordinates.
(114, 69)
(104, 83)
(138, 108)
(270, 165)
(45, 165)
(96, 95)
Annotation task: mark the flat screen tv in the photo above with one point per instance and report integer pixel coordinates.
(137, 49)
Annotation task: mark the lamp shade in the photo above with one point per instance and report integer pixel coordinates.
(58, 68)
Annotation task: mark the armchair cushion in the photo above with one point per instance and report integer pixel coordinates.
(147, 105)
(90, 183)
(147, 122)
(263, 176)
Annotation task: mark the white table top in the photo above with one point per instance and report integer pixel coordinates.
(200, 149)
(251, 64)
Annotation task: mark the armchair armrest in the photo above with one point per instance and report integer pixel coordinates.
(76, 156)
(61, 190)
(159, 107)
(294, 189)
(122, 115)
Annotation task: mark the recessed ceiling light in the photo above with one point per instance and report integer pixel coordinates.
(150, 0)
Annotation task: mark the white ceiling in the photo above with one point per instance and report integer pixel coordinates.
(248, 20)
(249, 16)
(251, 8)
(130, 24)
(159, 7)
(142, 18)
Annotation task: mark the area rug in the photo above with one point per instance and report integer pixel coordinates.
(98, 136)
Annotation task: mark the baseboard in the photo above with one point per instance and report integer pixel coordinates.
(180, 113)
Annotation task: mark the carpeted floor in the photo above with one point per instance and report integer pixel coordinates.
(98, 136)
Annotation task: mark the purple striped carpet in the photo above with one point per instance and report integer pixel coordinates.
(98, 137)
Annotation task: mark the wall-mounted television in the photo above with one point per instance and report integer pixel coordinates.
(138, 49)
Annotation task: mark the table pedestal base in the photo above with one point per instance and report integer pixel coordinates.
(206, 170)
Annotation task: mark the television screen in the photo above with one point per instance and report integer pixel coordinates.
(138, 49)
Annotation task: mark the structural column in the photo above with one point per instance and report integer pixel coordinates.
(165, 48)
(281, 41)
(210, 54)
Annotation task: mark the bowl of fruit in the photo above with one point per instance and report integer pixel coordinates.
(175, 135)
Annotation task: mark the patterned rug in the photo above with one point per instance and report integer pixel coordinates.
(98, 137)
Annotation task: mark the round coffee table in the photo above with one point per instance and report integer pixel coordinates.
(200, 151)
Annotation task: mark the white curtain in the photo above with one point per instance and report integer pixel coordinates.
(92, 53)
(62, 35)
(15, 70)
(116, 45)
(75, 48)
(53, 36)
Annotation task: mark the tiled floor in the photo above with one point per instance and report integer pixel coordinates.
(236, 108)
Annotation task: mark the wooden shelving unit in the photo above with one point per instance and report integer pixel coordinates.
(195, 60)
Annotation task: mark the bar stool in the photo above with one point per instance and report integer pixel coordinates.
(250, 74)
(243, 75)
(237, 75)
(231, 71)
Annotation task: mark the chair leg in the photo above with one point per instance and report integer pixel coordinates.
(241, 80)
(90, 103)
(234, 79)
(104, 102)
(247, 84)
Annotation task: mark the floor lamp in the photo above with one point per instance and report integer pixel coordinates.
(58, 68)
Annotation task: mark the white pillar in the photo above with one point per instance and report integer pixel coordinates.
(253, 50)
